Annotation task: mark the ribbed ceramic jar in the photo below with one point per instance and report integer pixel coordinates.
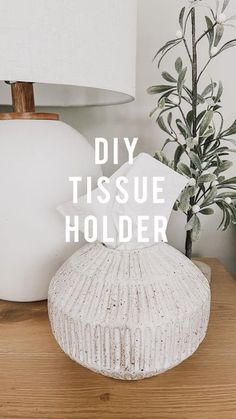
(129, 314)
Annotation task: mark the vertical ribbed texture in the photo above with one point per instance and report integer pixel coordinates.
(129, 314)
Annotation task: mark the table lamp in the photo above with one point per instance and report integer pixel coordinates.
(52, 53)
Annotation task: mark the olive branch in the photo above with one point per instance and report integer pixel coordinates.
(193, 121)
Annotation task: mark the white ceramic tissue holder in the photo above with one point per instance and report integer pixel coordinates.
(129, 313)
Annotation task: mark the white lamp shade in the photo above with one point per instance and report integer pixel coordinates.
(80, 52)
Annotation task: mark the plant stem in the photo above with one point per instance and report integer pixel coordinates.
(204, 68)
(194, 73)
(198, 198)
(183, 116)
(205, 33)
(184, 39)
(188, 242)
(187, 49)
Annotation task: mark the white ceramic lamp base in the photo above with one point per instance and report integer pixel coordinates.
(129, 314)
(36, 159)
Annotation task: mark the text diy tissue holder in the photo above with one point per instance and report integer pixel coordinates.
(137, 190)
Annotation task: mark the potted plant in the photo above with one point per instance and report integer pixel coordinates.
(191, 116)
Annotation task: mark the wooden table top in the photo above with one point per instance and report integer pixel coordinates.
(38, 381)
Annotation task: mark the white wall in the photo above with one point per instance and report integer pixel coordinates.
(157, 23)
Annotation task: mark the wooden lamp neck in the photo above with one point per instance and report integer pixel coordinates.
(23, 103)
(22, 97)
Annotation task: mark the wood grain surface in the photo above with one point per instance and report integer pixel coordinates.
(38, 381)
(22, 97)
(29, 115)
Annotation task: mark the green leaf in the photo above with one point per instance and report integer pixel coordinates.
(200, 99)
(171, 165)
(207, 211)
(206, 121)
(153, 111)
(216, 107)
(199, 118)
(192, 191)
(183, 128)
(208, 177)
(162, 125)
(227, 219)
(229, 214)
(181, 18)
(208, 89)
(210, 196)
(190, 118)
(189, 226)
(230, 131)
(181, 81)
(219, 93)
(168, 77)
(190, 142)
(230, 181)
(232, 208)
(225, 165)
(219, 34)
(167, 94)
(196, 229)
(184, 200)
(217, 151)
(158, 156)
(165, 160)
(209, 23)
(154, 90)
(163, 112)
(178, 153)
(227, 195)
(162, 103)
(169, 119)
(211, 31)
(179, 65)
(184, 169)
(196, 160)
(164, 48)
(226, 46)
(167, 142)
(175, 207)
(209, 133)
(168, 50)
(225, 5)
(221, 179)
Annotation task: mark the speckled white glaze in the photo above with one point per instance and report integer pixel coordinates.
(129, 314)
